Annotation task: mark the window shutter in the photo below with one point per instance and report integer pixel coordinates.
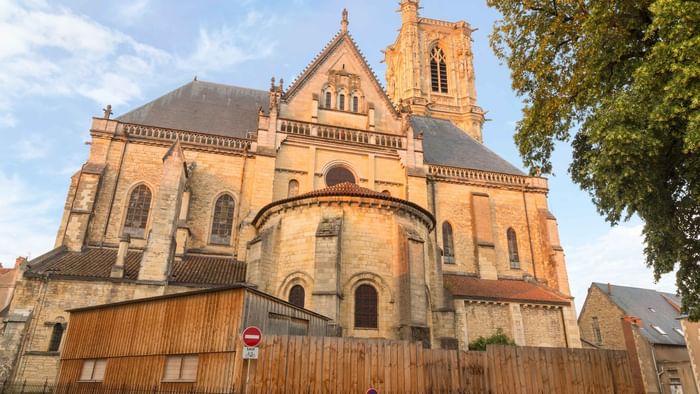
(86, 373)
(189, 368)
(172, 368)
(99, 372)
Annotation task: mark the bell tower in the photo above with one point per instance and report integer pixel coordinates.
(430, 69)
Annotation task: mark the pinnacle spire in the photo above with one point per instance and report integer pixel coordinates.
(344, 21)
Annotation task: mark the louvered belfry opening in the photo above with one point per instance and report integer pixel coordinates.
(365, 307)
(438, 70)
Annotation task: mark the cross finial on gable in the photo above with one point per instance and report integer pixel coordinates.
(344, 21)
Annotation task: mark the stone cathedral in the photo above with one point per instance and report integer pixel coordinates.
(378, 208)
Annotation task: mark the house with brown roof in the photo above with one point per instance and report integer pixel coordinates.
(380, 209)
(647, 324)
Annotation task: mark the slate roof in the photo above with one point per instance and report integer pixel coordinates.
(637, 302)
(204, 107)
(462, 286)
(446, 144)
(96, 263)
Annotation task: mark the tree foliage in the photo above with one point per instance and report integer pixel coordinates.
(620, 81)
(499, 338)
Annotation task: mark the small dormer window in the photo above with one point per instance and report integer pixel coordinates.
(652, 310)
(678, 330)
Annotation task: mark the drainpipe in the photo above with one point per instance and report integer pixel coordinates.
(656, 369)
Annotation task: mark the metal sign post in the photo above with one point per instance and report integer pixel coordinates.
(251, 336)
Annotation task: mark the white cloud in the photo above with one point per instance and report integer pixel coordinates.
(52, 51)
(218, 49)
(31, 147)
(616, 257)
(25, 214)
(132, 10)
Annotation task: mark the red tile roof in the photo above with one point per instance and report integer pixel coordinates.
(500, 290)
(96, 263)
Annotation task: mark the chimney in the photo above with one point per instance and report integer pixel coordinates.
(118, 267)
(20, 262)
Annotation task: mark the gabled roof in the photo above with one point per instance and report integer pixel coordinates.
(468, 287)
(654, 308)
(326, 52)
(446, 144)
(96, 264)
(204, 107)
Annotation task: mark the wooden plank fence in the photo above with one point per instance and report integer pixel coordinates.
(346, 365)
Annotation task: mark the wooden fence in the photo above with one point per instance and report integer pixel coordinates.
(345, 365)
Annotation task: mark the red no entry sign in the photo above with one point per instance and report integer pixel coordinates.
(252, 336)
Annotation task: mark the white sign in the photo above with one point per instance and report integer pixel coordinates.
(250, 353)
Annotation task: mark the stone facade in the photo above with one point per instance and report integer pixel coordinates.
(692, 339)
(416, 162)
(661, 361)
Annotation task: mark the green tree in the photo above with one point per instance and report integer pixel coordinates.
(620, 81)
(499, 338)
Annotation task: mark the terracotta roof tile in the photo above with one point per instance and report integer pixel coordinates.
(503, 290)
(96, 263)
(210, 270)
(347, 189)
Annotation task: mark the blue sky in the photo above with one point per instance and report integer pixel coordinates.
(61, 62)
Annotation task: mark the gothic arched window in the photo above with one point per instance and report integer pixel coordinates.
(355, 104)
(328, 99)
(293, 188)
(56, 335)
(341, 102)
(137, 212)
(438, 70)
(513, 249)
(222, 223)
(448, 249)
(296, 296)
(365, 307)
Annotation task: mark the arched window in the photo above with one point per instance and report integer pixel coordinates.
(339, 174)
(448, 249)
(293, 188)
(365, 307)
(137, 212)
(438, 70)
(328, 99)
(513, 249)
(222, 223)
(355, 104)
(341, 102)
(296, 296)
(56, 335)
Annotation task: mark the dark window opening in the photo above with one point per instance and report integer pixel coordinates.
(296, 296)
(328, 99)
(355, 104)
(137, 212)
(365, 307)
(596, 331)
(341, 102)
(513, 249)
(338, 175)
(448, 250)
(56, 335)
(438, 70)
(222, 223)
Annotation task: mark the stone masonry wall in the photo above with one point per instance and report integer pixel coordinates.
(609, 319)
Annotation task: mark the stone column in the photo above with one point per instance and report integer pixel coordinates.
(118, 267)
(160, 247)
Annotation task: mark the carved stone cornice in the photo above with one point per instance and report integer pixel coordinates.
(487, 178)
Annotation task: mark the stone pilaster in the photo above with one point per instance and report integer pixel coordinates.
(326, 292)
(160, 246)
(516, 319)
(118, 267)
(80, 206)
(483, 233)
